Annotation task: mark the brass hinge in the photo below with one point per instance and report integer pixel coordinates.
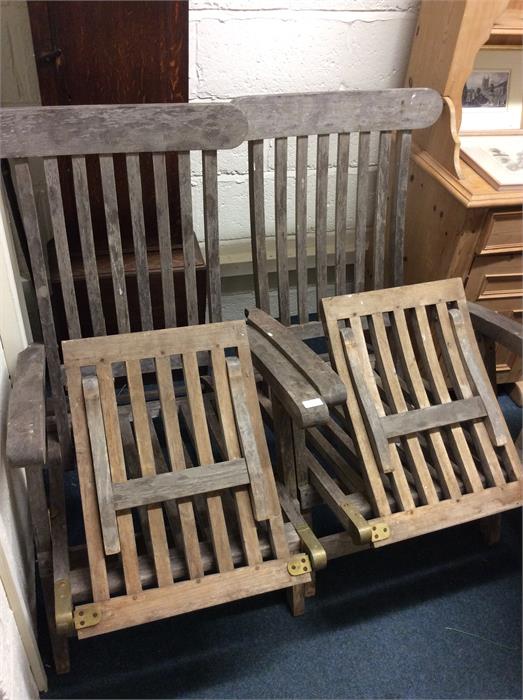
(87, 616)
(63, 607)
(299, 564)
(315, 550)
(380, 531)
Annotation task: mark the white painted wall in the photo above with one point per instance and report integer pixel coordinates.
(241, 47)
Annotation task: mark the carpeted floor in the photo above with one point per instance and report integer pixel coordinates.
(435, 617)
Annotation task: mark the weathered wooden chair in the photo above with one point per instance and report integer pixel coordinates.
(39, 433)
(430, 456)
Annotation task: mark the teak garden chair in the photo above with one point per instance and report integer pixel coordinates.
(431, 455)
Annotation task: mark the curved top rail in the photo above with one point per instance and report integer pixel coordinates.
(300, 114)
(97, 129)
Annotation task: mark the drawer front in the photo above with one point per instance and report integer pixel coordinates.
(503, 233)
(496, 282)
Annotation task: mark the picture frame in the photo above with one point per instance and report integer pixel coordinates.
(498, 158)
(492, 98)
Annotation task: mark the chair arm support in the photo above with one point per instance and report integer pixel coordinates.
(316, 371)
(26, 420)
(496, 327)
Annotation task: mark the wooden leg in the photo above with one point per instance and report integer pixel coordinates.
(296, 599)
(491, 529)
(42, 538)
(285, 466)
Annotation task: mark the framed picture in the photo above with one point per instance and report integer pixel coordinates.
(498, 159)
(492, 97)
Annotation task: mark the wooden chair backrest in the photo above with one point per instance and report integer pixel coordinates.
(374, 124)
(90, 139)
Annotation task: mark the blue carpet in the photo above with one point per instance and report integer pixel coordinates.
(435, 617)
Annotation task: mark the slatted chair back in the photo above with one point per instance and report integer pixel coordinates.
(88, 140)
(359, 178)
(420, 442)
(204, 505)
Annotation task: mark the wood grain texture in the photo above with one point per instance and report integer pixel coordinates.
(340, 214)
(85, 129)
(301, 227)
(271, 116)
(362, 197)
(280, 222)
(212, 241)
(257, 216)
(322, 178)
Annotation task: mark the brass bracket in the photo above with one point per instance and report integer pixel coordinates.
(315, 551)
(87, 616)
(63, 607)
(380, 531)
(299, 564)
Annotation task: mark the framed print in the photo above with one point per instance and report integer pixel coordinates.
(497, 158)
(492, 98)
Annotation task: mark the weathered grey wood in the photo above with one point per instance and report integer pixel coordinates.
(373, 421)
(140, 244)
(115, 243)
(399, 205)
(301, 227)
(56, 209)
(304, 360)
(476, 370)
(322, 178)
(164, 239)
(494, 325)
(260, 503)
(271, 116)
(189, 253)
(340, 221)
(257, 215)
(102, 474)
(362, 198)
(180, 484)
(83, 129)
(380, 222)
(85, 228)
(43, 295)
(418, 419)
(26, 442)
(212, 242)
(280, 206)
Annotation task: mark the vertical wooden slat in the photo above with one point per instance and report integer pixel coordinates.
(280, 206)
(189, 253)
(396, 400)
(115, 243)
(248, 532)
(93, 534)
(85, 226)
(140, 244)
(54, 196)
(371, 475)
(43, 295)
(257, 215)
(461, 386)
(301, 226)
(113, 437)
(340, 214)
(164, 239)
(447, 478)
(145, 451)
(322, 178)
(176, 457)
(382, 186)
(362, 199)
(212, 241)
(399, 205)
(427, 349)
(220, 539)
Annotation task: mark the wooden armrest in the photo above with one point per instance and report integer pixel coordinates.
(315, 370)
(497, 327)
(26, 425)
(298, 396)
